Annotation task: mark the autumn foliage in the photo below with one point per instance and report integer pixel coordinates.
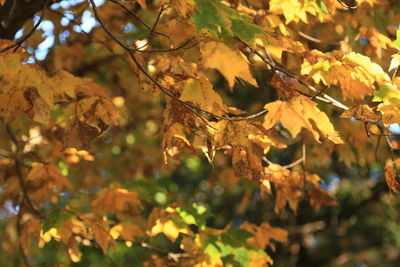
(190, 132)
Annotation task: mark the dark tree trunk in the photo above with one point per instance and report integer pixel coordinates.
(14, 13)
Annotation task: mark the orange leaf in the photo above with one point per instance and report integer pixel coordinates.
(298, 113)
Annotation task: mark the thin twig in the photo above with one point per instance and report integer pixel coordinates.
(193, 109)
(182, 46)
(324, 97)
(96, 14)
(196, 110)
(150, 36)
(21, 179)
(138, 18)
(315, 40)
(21, 249)
(294, 163)
(395, 72)
(377, 148)
(18, 43)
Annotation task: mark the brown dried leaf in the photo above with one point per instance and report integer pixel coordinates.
(363, 113)
(49, 173)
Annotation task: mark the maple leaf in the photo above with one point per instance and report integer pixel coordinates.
(170, 228)
(168, 222)
(222, 21)
(113, 200)
(390, 114)
(48, 173)
(174, 140)
(387, 93)
(100, 230)
(180, 30)
(47, 115)
(296, 11)
(184, 8)
(29, 229)
(201, 93)
(377, 40)
(391, 176)
(298, 113)
(127, 230)
(92, 115)
(23, 89)
(355, 73)
(288, 186)
(79, 134)
(249, 142)
(319, 197)
(363, 113)
(264, 233)
(229, 62)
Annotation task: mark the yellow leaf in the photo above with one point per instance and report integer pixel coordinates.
(229, 62)
(169, 228)
(201, 93)
(74, 252)
(395, 62)
(355, 73)
(296, 10)
(23, 89)
(64, 85)
(46, 237)
(298, 113)
(127, 230)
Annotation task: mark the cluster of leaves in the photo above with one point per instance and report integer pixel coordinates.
(161, 135)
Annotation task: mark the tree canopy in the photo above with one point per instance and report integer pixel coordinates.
(199, 132)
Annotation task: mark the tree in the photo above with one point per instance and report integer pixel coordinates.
(199, 132)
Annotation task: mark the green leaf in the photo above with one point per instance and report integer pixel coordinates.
(55, 218)
(396, 43)
(322, 7)
(242, 256)
(194, 214)
(209, 15)
(245, 31)
(222, 21)
(387, 94)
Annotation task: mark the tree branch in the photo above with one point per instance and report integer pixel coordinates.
(20, 41)
(21, 179)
